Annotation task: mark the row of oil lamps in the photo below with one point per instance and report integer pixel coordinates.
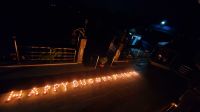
(64, 86)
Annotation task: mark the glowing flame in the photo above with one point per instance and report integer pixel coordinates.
(14, 95)
(114, 77)
(55, 87)
(135, 73)
(75, 83)
(19, 95)
(46, 89)
(33, 92)
(64, 85)
(90, 81)
(119, 76)
(104, 79)
(127, 75)
(109, 78)
(98, 80)
(83, 82)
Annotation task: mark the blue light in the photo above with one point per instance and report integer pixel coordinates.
(167, 28)
(162, 27)
(136, 39)
(163, 43)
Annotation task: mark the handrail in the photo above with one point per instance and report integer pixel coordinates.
(50, 53)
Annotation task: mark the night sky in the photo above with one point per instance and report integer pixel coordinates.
(55, 19)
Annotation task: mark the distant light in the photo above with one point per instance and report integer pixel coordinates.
(130, 33)
(163, 22)
(163, 43)
(162, 27)
(174, 104)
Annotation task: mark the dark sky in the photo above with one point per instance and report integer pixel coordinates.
(52, 21)
(61, 16)
(29, 12)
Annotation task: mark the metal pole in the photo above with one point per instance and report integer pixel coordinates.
(78, 40)
(96, 62)
(75, 56)
(16, 49)
(138, 52)
(112, 61)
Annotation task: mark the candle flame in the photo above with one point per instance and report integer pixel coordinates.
(46, 89)
(74, 84)
(33, 92)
